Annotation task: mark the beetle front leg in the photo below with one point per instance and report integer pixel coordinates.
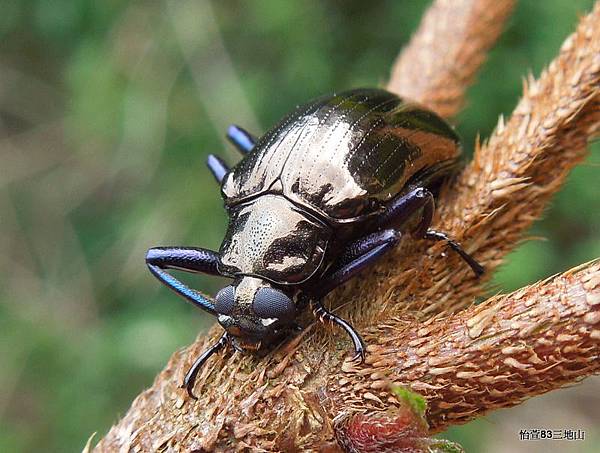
(325, 316)
(243, 140)
(190, 376)
(194, 260)
(402, 208)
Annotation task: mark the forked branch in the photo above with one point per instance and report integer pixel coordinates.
(465, 363)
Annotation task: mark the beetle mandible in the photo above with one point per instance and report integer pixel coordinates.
(314, 201)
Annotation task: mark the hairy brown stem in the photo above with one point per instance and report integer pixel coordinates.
(447, 50)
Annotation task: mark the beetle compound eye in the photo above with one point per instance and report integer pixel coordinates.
(271, 303)
(224, 301)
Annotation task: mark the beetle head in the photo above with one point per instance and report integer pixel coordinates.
(254, 312)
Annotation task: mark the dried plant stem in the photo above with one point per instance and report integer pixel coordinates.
(447, 50)
(491, 355)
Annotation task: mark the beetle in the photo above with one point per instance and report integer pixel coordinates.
(322, 195)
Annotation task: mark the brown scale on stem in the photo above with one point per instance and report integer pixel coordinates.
(411, 308)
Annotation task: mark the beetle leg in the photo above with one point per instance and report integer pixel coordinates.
(404, 207)
(359, 247)
(190, 376)
(217, 167)
(335, 276)
(359, 254)
(433, 235)
(189, 259)
(423, 231)
(325, 316)
(243, 140)
(186, 259)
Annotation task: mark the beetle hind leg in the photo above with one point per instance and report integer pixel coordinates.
(192, 374)
(326, 317)
(217, 167)
(243, 140)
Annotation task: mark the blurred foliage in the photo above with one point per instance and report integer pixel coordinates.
(107, 113)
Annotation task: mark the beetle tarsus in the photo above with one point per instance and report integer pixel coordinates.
(359, 357)
(190, 377)
(423, 231)
(325, 316)
(433, 235)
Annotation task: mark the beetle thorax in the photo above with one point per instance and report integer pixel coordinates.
(271, 238)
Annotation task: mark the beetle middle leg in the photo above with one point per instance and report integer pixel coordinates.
(357, 256)
(402, 208)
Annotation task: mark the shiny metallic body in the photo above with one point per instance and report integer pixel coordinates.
(320, 197)
(325, 170)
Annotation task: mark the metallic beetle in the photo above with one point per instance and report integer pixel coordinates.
(315, 200)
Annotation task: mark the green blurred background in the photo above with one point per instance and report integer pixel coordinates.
(107, 112)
